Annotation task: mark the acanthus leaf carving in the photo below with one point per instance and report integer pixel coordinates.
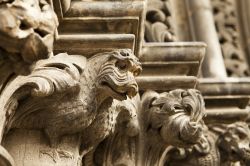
(233, 143)
(228, 144)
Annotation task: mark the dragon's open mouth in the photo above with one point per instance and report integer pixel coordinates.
(113, 92)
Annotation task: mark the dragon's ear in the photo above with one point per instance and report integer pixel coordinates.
(159, 101)
(148, 98)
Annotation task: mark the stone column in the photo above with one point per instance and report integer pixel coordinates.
(203, 28)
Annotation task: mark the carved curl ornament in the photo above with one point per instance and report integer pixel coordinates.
(226, 145)
(159, 24)
(169, 120)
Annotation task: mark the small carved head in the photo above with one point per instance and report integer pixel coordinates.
(177, 116)
(27, 29)
(117, 74)
(234, 142)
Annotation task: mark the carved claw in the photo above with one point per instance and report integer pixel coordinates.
(51, 153)
(65, 154)
(57, 154)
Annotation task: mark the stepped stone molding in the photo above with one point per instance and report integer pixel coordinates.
(169, 66)
(110, 24)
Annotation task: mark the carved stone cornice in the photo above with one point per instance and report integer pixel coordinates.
(168, 66)
(108, 24)
(226, 100)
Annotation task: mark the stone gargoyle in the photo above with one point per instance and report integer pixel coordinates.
(66, 95)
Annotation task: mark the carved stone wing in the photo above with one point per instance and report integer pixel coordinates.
(55, 75)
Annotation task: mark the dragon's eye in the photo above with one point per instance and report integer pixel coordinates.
(121, 65)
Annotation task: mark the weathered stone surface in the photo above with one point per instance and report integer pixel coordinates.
(204, 30)
(168, 66)
(106, 18)
(159, 23)
(225, 16)
(90, 106)
(169, 120)
(27, 31)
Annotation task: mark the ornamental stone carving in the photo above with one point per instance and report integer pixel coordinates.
(227, 26)
(170, 119)
(85, 105)
(27, 30)
(225, 145)
(159, 23)
(68, 95)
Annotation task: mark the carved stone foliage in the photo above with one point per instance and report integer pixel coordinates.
(143, 126)
(225, 16)
(226, 145)
(159, 24)
(234, 143)
(205, 153)
(169, 119)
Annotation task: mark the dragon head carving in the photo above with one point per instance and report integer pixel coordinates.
(27, 29)
(177, 115)
(116, 77)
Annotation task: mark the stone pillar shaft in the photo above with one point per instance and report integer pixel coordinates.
(204, 30)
